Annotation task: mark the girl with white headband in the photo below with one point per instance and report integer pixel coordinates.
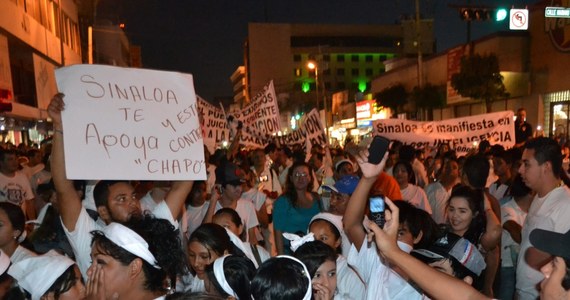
(229, 276)
(49, 276)
(135, 262)
(205, 245)
(328, 229)
(281, 278)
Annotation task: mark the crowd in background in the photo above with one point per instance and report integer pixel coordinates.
(285, 222)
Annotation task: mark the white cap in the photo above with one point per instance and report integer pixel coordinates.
(131, 241)
(336, 221)
(37, 274)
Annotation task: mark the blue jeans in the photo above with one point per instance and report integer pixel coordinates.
(508, 282)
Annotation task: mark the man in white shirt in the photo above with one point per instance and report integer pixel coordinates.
(14, 185)
(115, 200)
(541, 170)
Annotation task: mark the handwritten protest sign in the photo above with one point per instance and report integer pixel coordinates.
(260, 120)
(213, 123)
(459, 133)
(311, 132)
(124, 123)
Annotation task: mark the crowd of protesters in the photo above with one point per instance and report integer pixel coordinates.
(285, 222)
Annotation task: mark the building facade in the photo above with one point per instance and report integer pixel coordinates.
(534, 65)
(35, 38)
(347, 57)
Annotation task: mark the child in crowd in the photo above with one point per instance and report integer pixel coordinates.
(230, 276)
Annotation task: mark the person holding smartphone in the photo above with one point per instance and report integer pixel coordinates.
(382, 281)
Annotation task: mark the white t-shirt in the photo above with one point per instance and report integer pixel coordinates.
(20, 254)
(550, 212)
(190, 283)
(381, 281)
(15, 189)
(416, 196)
(193, 217)
(498, 190)
(437, 197)
(80, 238)
(420, 173)
(246, 211)
(349, 283)
(147, 202)
(510, 211)
(256, 197)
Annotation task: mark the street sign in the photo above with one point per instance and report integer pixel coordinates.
(557, 12)
(519, 19)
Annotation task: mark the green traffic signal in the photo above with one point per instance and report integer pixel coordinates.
(500, 14)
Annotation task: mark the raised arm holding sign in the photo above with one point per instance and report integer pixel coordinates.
(115, 199)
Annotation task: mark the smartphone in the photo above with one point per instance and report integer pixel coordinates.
(219, 188)
(377, 149)
(377, 208)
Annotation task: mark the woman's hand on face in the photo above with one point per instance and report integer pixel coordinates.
(386, 238)
(95, 289)
(370, 170)
(321, 292)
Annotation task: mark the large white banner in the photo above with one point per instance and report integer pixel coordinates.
(460, 133)
(260, 119)
(122, 123)
(310, 132)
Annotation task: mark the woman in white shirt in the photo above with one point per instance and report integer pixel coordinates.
(411, 193)
(12, 232)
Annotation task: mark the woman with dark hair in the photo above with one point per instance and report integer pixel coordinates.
(230, 220)
(205, 245)
(294, 209)
(411, 193)
(49, 276)
(328, 229)
(467, 218)
(230, 276)
(281, 278)
(12, 232)
(320, 260)
(136, 261)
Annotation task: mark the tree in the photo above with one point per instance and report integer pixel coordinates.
(428, 97)
(480, 78)
(394, 97)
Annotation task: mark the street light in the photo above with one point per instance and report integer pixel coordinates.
(312, 65)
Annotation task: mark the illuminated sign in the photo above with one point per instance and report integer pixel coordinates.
(365, 109)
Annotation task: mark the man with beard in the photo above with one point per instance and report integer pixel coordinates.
(115, 200)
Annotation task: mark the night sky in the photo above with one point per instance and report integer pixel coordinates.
(205, 37)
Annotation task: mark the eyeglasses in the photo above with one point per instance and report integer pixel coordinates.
(301, 175)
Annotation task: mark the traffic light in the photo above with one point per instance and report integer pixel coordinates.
(482, 14)
(500, 14)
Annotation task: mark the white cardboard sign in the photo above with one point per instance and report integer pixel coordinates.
(122, 123)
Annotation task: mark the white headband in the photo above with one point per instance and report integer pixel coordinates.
(38, 273)
(131, 241)
(221, 277)
(297, 241)
(305, 272)
(246, 250)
